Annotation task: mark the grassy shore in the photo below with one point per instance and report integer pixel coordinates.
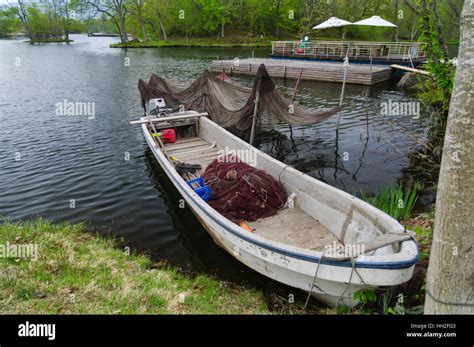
(34, 41)
(48, 41)
(77, 272)
(199, 42)
(229, 41)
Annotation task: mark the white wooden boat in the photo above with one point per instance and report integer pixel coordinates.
(294, 247)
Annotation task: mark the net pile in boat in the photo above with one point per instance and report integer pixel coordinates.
(241, 192)
(230, 104)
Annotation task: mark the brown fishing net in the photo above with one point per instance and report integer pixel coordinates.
(229, 104)
(241, 192)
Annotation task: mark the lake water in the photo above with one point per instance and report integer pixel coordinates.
(100, 170)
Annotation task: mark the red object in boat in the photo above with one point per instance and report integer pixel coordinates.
(169, 135)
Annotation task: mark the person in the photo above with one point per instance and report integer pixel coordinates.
(304, 42)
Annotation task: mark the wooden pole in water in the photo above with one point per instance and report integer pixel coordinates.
(254, 120)
(346, 63)
(296, 86)
(293, 98)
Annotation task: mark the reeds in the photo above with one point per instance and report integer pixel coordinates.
(394, 200)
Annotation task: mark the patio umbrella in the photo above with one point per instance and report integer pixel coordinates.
(332, 22)
(335, 22)
(375, 21)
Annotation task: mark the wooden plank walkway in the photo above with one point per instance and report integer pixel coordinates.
(406, 68)
(312, 70)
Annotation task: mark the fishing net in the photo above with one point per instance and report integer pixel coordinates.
(241, 192)
(230, 104)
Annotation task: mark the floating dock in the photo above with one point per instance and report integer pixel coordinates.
(323, 71)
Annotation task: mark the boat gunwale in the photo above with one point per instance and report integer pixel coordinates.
(271, 245)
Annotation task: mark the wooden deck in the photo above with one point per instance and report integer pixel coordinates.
(193, 150)
(292, 226)
(311, 70)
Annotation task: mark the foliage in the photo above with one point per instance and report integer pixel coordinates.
(422, 226)
(44, 20)
(9, 22)
(365, 296)
(394, 200)
(438, 89)
(199, 42)
(162, 19)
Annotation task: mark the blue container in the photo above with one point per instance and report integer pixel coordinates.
(204, 192)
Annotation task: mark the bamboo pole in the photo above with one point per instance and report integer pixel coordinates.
(346, 63)
(254, 120)
(157, 139)
(342, 92)
(297, 85)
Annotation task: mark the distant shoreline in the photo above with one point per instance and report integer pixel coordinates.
(198, 42)
(35, 41)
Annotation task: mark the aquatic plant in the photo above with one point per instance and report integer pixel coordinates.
(394, 200)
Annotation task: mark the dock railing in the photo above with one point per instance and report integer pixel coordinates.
(406, 51)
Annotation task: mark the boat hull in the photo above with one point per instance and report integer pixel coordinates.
(335, 282)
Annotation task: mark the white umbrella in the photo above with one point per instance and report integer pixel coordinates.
(335, 22)
(375, 21)
(332, 22)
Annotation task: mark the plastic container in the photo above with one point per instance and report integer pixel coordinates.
(204, 192)
(169, 135)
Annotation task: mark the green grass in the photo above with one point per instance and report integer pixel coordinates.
(423, 225)
(33, 41)
(394, 200)
(199, 42)
(77, 272)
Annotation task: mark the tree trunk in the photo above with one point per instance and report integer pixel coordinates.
(241, 12)
(123, 29)
(23, 14)
(66, 23)
(395, 20)
(119, 29)
(450, 280)
(162, 26)
(277, 18)
(142, 25)
(440, 30)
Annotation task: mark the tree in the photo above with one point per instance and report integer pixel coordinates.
(22, 13)
(159, 13)
(116, 10)
(450, 281)
(437, 89)
(64, 11)
(60, 10)
(138, 6)
(9, 21)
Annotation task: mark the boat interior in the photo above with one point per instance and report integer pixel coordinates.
(313, 223)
